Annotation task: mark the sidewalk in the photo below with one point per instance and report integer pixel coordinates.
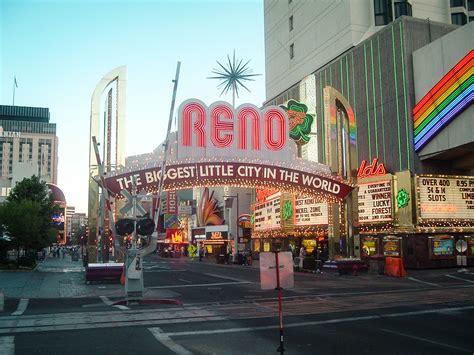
(63, 278)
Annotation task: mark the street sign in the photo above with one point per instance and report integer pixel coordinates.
(185, 210)
(133, 200)
(268, 275)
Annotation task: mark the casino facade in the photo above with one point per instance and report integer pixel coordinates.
(369, 155)
(393, 116)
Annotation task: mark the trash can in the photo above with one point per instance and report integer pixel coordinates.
(377, 264)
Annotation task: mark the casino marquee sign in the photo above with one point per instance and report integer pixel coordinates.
(245, 147)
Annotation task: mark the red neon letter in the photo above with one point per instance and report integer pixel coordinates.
(200, 112)
(254, 115)
(218, 126)
(273, 115)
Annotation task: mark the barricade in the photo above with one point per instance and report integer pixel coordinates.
(394, 267)
(104, 272)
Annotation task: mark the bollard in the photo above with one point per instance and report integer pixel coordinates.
(2, 301)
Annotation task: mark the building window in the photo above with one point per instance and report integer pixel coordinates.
(470, 5)
(402, 8)
(382, 12)
(458, 19)
(471, 18)
(292, 50)
(291, 23)
(456, 3)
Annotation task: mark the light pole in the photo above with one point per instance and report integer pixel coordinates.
(229, 200)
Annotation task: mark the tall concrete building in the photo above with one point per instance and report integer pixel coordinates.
(28, 146)
(302, 36)
(70, 211)
(389, 84)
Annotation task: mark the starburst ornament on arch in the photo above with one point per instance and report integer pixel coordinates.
(233, 76)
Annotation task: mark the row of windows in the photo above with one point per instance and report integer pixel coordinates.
(383, 14)
(459, 18)
(462, 3)
(383, 11)
(28, 127)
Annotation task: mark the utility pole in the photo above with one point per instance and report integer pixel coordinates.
(157, 207)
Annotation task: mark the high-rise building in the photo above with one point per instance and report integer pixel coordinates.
(302, 36)
(28, 146)
(78, 223)
(392, 103)
(70, 210)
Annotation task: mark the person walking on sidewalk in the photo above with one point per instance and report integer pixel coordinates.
(201, 252)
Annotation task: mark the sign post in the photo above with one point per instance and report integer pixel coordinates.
(282, 263)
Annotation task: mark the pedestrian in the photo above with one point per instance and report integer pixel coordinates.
(201, 252)
(302, 255)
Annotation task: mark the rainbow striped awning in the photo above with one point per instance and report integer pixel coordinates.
(452, 94)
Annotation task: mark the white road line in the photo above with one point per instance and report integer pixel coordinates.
(226, 277)
(426, 340)
(189, 282)
(108, 302)
(305, 324)
(21, 307)
(423, 282)
(166, 341)
(122, 307)
(199, 285)
(459, 278)
(7, 345)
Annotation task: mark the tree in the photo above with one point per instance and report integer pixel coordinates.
(32, 189)
(77, 235)
(26, 215)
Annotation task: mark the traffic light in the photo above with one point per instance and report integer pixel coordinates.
(124, 226)
(145, 226)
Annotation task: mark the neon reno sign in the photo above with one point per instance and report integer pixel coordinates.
(245, 147)
(219, 130)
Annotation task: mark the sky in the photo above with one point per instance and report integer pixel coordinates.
(60, 49)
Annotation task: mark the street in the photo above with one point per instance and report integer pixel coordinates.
(205, 308)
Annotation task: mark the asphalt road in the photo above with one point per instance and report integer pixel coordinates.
(220, 309)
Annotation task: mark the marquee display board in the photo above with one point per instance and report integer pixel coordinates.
(375, 202)
(267, 215)
(308, 212)
(441, 197)
(245, 147)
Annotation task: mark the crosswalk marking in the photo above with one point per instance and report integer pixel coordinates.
(200, 285)
(313, 323)
(423, 282)
(460, 278)
(166, 341)
(21, 307)
(426, 340)
(7, 345)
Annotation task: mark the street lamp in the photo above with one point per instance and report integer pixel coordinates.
(229, 200)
